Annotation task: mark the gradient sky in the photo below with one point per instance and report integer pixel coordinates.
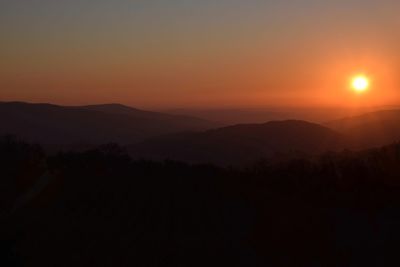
(199, 53)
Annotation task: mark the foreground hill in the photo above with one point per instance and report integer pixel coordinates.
(242, 143)
(371, 129)
(99, 208)
(60, 125)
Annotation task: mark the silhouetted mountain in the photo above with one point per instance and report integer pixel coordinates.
(242, 143)
(189, 122)
(231, 116)
(60, 125)
(371, 129)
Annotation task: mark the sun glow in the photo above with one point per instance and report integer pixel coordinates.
(360, 83)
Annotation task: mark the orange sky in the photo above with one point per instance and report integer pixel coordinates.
(204, 54)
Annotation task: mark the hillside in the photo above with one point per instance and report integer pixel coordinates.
(242, 143)
(371, 129)
(61, 125)
(99, 208)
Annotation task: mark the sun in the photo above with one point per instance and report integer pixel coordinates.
(360, 83)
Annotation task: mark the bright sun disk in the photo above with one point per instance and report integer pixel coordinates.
(360, 83)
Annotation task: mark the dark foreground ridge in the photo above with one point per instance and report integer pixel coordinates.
(100, 208)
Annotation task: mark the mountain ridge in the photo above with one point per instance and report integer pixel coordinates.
(370, 129)
(242, 143)
(54, 124)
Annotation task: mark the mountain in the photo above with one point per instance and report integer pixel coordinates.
(231, 116)
(242, 143)
(370, 129)
(88, 125)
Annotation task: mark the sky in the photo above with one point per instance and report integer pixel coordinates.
(199, 53)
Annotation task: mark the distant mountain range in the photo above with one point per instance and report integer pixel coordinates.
(370, 129)
(243, 143)
(232, 116)
(276, 139)
(90, 125)
(153, 135)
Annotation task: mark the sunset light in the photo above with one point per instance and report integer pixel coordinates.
(200, 133)
(360, 83)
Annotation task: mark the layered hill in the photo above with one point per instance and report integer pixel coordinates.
(63, 125)
(370, 129)
(242, 143)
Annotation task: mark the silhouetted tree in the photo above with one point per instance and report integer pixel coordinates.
(100, 208)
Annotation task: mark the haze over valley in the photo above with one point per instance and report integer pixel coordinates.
(161, 136)
(201, 133)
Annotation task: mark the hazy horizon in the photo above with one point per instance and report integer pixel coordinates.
(224, 116)
(201, 54)
(160, 133)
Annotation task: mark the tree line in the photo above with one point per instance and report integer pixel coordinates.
(101, 208)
